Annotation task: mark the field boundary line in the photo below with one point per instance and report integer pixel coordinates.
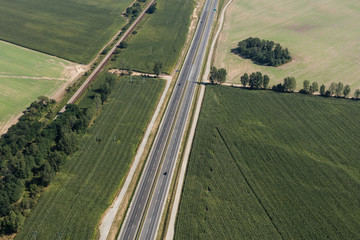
(34, 78)
(248, 183)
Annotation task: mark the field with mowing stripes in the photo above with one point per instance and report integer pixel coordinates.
(160, 38)
(268, 165)
(321, 36)
(70, 29)
(86, 185)
(25, 75)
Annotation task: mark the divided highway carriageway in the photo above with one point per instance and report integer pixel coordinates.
(144, 213)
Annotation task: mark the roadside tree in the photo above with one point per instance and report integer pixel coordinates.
(213, 74)
(306, 86)
(314, 87)
(347, 90)
(332, 88)
(266, 81)
(322, 90)
(221, 75)
(289, 84)
(244, 79)
(357, 94)
(157, 68)
(339, 89)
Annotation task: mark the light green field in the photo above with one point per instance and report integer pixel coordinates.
(160, 38)
(25, 75)
(70, 29)
(321, 36)
(267, 165)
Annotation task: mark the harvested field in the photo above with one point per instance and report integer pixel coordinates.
(321, 37)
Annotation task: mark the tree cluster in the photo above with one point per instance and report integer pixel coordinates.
(337, 90)
(258, 81)
(357, 94)
(157, 68)
(32, 151)
(255, 80)
(263, 52)
(217, 75)
(133, 11)
(288, 85)
(309, 88)
(151, 9)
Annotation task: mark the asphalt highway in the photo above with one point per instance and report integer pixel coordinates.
(144, 213)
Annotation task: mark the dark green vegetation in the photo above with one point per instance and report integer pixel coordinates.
(288, 85)
(263, 52)
(310, 88)
(134, 10)
(159, 39)
(34, 149)
(267, 165)
(217, 75)
(255, 81)
(88, 181)
(71, 29)
(338, 90)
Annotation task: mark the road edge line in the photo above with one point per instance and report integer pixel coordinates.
(171, 228)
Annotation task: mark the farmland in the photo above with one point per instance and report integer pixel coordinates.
(319, 35)
(71, 29)
(25, 75)
(266, 165)
(160, 38)
(85, 187)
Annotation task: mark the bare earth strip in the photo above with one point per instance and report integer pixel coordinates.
(28, 77)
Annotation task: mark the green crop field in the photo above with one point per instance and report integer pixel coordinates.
(25, 75)
(72, 206)
(268, 165)
(319, 34)
(70, 29)
(160, 38)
